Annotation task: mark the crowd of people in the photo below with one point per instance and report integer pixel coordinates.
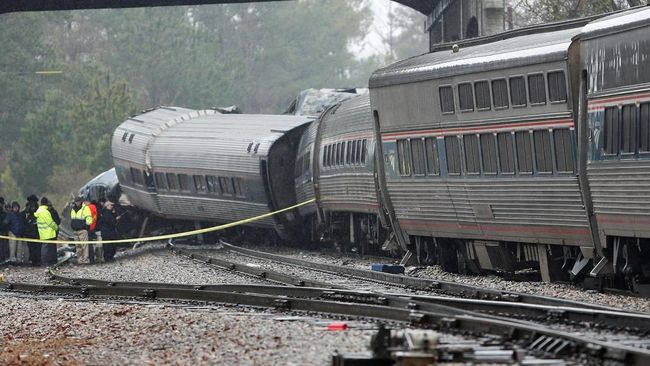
(94, 221)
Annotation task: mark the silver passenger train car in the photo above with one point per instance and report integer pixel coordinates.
(485, 143)
(208, 166)
(336, 166)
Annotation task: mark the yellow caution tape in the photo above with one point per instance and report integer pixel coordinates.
(164, 237)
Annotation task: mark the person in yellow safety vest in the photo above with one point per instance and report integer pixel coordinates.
(81, 220)
(46, 231)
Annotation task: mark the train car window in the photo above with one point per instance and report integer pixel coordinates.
(537, 89)
(465, 97)
(446, 100)
(563, 150)
(327, 155)
(612, 131)
(324, 162)
(348, 154)
(238, 187)
(161, 182)
(543, 155)
(359, 151)
(404, 157)
(419, 157)
(482, 92)
(131, 138)
(628, 145)
(500, 94)
(472, 157)
(433, 160)
(136, 176)
(452, 150)
(489, 153)
(524, 152)
(363, 152)
(339, 154)
(124, 136)
(644, 127)
(518, 91)
(306, 161)
(332, 155)
(183, 182)
(556, 86)
(353, 159)
(172, 181)
(199, 183)
(121, 174)
(226, 185)
(297, 169)
(506, 152)
(212, 184)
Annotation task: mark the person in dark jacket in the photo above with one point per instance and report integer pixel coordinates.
(16, 227)
(4, 244)
(31, 229)
(108, 227)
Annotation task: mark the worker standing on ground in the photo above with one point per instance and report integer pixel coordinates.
(81, 220)
(47, 228)
(108, 228)
(31, 229)
(92, 230)
(4, 244)
(18, 252)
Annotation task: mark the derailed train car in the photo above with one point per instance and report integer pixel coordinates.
(485, 148)
(336, 166)
(208, 166)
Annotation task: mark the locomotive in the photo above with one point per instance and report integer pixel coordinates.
(526, 149)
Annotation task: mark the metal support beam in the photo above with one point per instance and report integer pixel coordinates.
(10, 6)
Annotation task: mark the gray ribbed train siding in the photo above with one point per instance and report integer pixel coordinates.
(508, 53)
(546, 210)
(305, 187)
(621, 196)
(132, 150)
(210, 209)
(351, 188)
(142, 126)
(203, 143)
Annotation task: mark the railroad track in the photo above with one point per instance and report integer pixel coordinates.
(420, 284)
(441, 313)
(537, 340)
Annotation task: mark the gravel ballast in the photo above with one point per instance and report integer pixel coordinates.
(72, 332)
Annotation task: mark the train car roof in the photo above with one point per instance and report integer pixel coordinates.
(519, 50)
(132, 137)
(352, 116)
(234, 142)
(617, 21)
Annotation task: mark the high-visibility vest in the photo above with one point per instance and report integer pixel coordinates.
(46, 225)
(93, 214)
(83, 214)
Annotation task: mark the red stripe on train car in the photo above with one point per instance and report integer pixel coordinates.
(459, 130)
(498, 228)
(596, 104)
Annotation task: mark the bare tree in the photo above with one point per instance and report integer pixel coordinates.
(528, 12)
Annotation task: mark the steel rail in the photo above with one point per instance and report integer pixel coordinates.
(445, 287)
(613, 319)
(535, 338)
(265, 274)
